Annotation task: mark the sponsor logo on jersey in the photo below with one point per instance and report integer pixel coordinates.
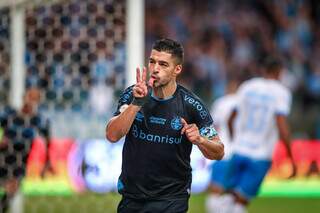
(197, 105)
(157, 120)
(140, 134)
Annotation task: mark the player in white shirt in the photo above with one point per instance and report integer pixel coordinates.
(221, 110)
(260, 118)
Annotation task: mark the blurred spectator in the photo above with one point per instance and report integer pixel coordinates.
(18, 131)
(230, 38)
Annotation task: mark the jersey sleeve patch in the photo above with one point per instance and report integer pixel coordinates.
(208, 132)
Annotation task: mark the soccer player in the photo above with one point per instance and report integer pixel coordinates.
(161, 121)
(260, 116)
(18, 129)
(221, 111)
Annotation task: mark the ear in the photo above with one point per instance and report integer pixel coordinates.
(177, 69)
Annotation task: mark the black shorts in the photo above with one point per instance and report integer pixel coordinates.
(13, 161)
(128, 205)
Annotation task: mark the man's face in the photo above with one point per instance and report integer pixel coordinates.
(163, 68)
(31, 100)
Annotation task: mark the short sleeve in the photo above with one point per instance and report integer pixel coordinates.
(200, 115)
(215, 111)
(125, 99)
(283, 104)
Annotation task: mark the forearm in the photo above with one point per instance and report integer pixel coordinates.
(47, 143)
(284, 133)
(212, 149)
(286, 139)
(120, 125)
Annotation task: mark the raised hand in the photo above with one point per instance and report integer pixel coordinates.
(191, 131)
(141, 90)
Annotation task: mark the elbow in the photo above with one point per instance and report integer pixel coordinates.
(219, 155)
(216, 156)
(112, 138)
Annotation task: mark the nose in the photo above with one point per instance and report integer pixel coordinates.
(156, 68)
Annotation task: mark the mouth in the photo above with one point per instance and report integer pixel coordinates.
(152, 80)
(154, 77)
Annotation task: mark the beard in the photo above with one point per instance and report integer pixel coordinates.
(158, 83)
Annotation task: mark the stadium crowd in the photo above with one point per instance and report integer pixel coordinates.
(228, 39)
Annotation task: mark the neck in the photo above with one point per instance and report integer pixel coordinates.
(272, 76)
(166, 91)
(28, 109)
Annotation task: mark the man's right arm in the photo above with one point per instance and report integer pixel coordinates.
(120, 125)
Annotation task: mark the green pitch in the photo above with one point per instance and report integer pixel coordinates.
(94, 203)
(298, 187)
(289, 196)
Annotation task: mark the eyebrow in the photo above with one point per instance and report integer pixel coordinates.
(165, 62)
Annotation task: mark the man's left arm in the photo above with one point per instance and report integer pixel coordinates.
(45, 132)
(209, 144)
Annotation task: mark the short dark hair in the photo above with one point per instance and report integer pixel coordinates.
(272, 64)
(170, 46)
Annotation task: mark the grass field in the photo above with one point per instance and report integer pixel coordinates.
(283, 196)
(95, 203)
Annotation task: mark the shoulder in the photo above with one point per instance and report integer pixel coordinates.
(8, 111)
(193, 103)
(225, 99)
(189, 98)
(218, 103)
(126, 94)
(128, 90)
(281, 87)
(280, 90)
(253, 82)
(187, 94)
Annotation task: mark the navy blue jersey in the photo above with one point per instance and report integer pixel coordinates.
(156, 157)
(17, 133)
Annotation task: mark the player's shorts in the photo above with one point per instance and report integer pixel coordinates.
(245, 175)
(218, 171)
(128, 205)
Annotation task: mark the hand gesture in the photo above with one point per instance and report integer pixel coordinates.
(191, 131)
(141, 90)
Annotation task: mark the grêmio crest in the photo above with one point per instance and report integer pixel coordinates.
(176, 123)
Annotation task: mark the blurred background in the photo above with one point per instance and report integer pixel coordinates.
(81, 54)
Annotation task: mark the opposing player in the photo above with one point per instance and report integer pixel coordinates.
(263, 105)
(161, 121)
(221, 111)
(19, 128)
